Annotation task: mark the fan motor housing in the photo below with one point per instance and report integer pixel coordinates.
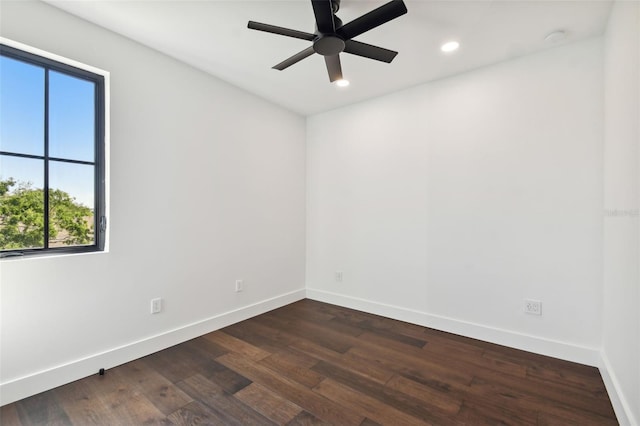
(328, 45)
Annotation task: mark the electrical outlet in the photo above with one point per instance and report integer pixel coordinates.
(239, 286)
(156, 305)
(533, 307)
(338, 276)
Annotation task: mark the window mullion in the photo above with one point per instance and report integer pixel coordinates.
(46, 158)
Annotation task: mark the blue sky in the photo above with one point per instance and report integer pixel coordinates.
(71, 127)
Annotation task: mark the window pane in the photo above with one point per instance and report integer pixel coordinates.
(71, 117)
(21, 107)
(71, 203)
(21, 203)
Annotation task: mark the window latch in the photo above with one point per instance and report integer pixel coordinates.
(103, 223)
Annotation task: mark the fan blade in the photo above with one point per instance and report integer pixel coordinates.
(324, 16)
(333, 67)
(280, 31)
(295, 58)
(376, 17)
(369, 51)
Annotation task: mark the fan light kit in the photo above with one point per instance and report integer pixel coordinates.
(450, 46)
(342, 83)
(331, 37)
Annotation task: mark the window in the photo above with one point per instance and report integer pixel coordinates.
(52, 154)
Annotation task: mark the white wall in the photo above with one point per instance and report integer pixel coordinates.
(449, 203)
(621, 321)
(207, 185)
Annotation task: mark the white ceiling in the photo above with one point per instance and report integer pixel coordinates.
(212, 35)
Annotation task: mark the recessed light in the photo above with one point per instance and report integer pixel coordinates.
(555, 36)
(450, 46)
(342, 82)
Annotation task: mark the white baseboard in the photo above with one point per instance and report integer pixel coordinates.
(41, 381)
(620, 404)
(552, 348)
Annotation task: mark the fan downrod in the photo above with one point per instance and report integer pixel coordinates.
(329, 44)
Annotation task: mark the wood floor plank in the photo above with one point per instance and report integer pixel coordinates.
(407, 403)
(321, 335)
(366, 321)
(271, 405)
(205, 347)
(464, 360)
(474, 412)
(159, 390)
(131, 407)
(365, 405)
(363, 367)
(307, 419)
(520, 399)
(450, 358)
(389, 332)
(289, 342)
(300, 395)
(530, 359)
(195, 413)
(83, 405)
(312, 363)
(359, 365)
(42, 409)
(310, 311)
(224, 377)
(460, 350)
(370, 322)
(293, 366)
(247, 331)
(227, 379)
(369, 422)
(596, 404)
(236, 345)
(431, 397)
(383, 339)
(589, 383)
(297, 312)
(217, 400)
(412, 365)
(281, 338)
(9, 415)
(336, 311)
(179, 362)
(548, 419)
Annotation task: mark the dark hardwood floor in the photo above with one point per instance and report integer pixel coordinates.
(311, 363)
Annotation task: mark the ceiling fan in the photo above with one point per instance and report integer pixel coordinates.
(332, 37)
